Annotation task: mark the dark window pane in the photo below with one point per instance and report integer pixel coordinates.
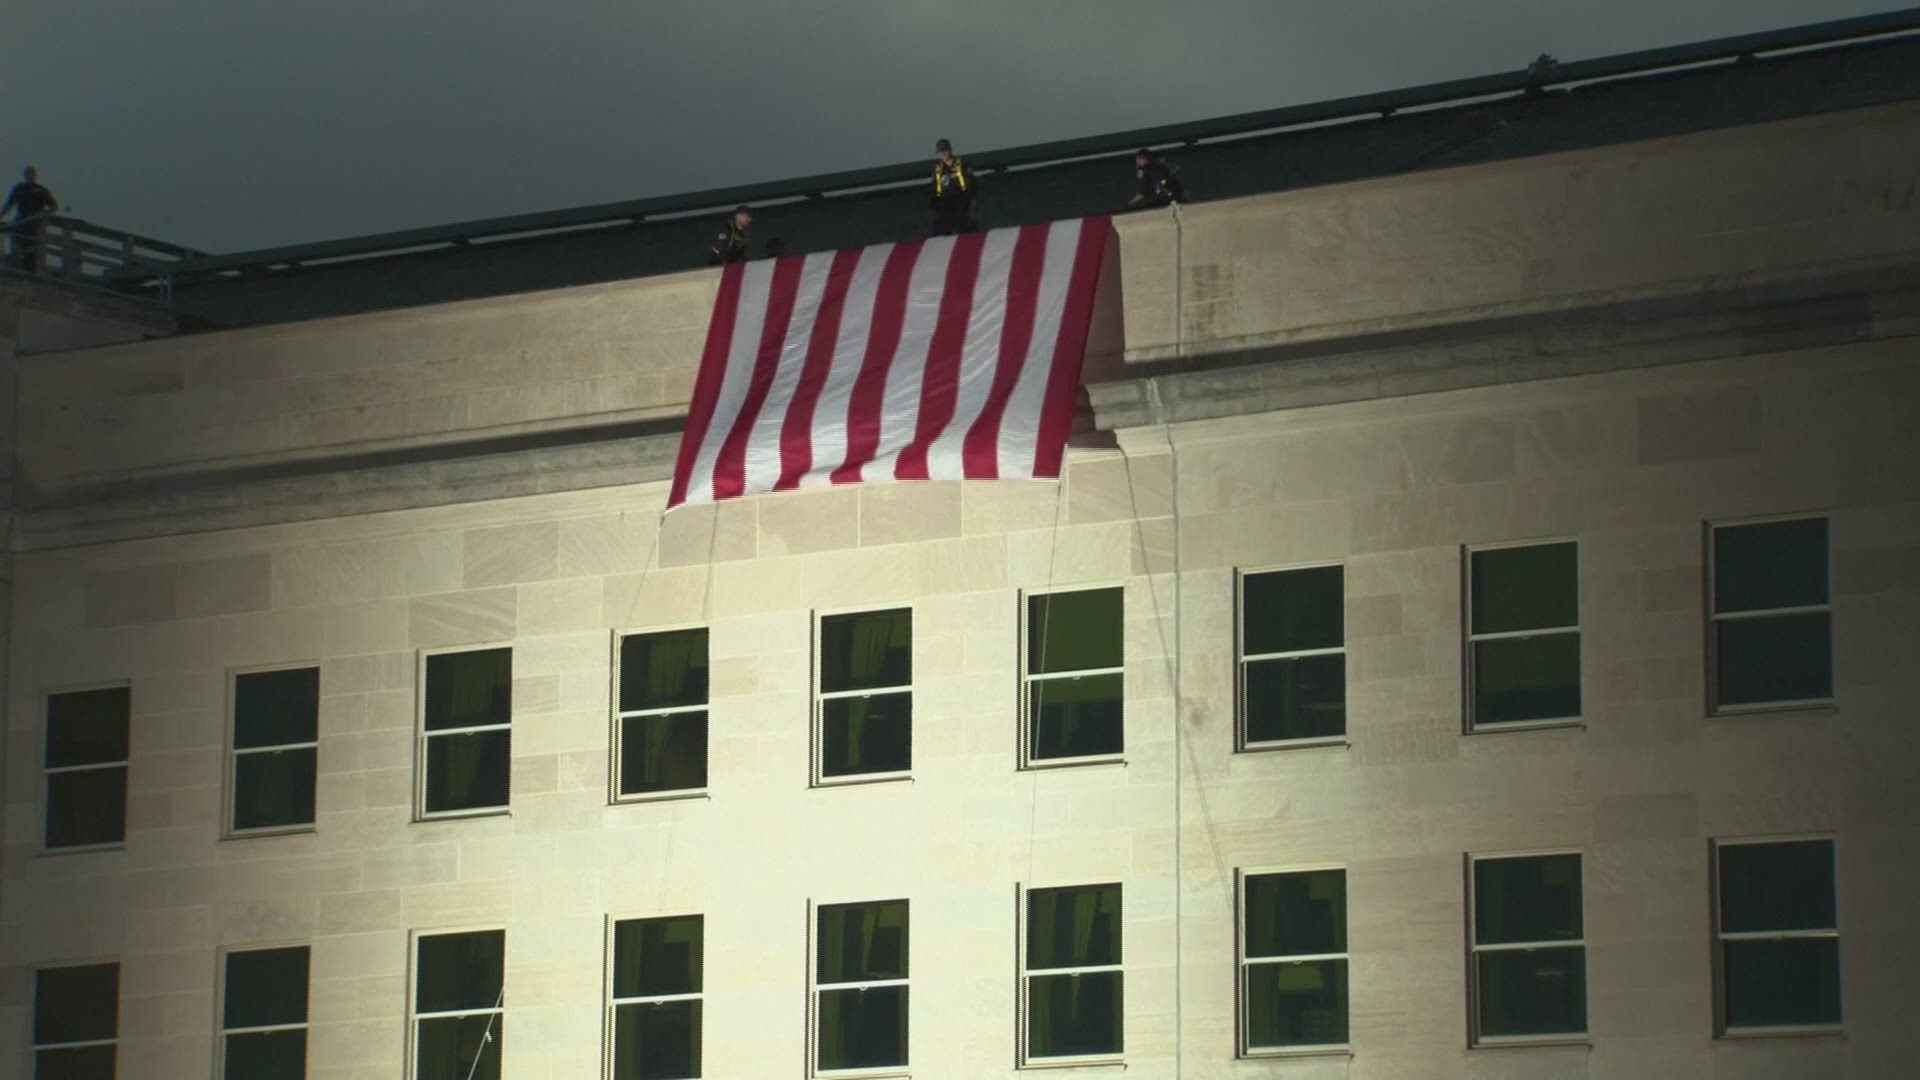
(1774, 983)
(469, 771)
(266, 987)
(657, 1041)
(273, 788)
(1296, 1004)
(1525, 588)
(87, 726)
(867, 651)
(1772, 565)
(1528, 899)
(1078, 926)
(866, 734)
(1074, 1015)
(79, 1063)
(1298, 698)
(863, 1029)
(657, 957)
(663, 753)
(76, 1004)
(1076, 717)
(1296, 914)
(469, 689)
(267, 1055)
(862, 942)
(459, 971)
(1533, 991)
(663, 671)
(272, 708)
(1526, 678)
(1292, 610)
(1075, 631)
(448, 1048)
(87, 807)
(1786, 886)
(1774, 658)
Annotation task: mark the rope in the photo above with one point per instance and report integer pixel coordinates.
(486, 1035)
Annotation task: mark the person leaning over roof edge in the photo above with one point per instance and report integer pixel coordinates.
(730, 243)
(1157, 181)
(952, 199)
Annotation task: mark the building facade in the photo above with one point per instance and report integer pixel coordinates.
(1474, 638)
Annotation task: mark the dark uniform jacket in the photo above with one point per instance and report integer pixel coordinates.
(729, 246)
(1159, 185)
(28, 200)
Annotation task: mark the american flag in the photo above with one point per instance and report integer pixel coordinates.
(952, 358)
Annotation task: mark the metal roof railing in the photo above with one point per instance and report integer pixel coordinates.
(1532, 79)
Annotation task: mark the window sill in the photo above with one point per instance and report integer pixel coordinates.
(1073, 763)
(680, 795)
(861, 1074)
(1534, 1042)
(462, 815)
(1331, 742)
(268, 834)
(861, 780)
(1105, 1063)
(1572, 723)
(1288, 1053)
(82, 849)
(1811, 710)
(1752, 1035)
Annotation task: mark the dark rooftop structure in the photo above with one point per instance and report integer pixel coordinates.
(1541, 109)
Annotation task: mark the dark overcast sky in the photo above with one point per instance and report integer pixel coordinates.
(231, 124)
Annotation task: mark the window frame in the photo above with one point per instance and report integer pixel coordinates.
(616, 740)
(1469, 637)
(1243, 1047)
(1583, 1037)
(612, 1003)
(815, 987)
(233, 752)
(47, 772)
(817, 706)
(1024, 976)
(34, 1046)
(414, 1016)
(1721, 1030)
(220, 1028)
(423, 737)
(1714, 706)
(1027, 679)
(1241, 743)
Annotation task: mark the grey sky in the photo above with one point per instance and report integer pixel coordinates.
(231, 124)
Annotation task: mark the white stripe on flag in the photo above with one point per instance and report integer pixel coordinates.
(829, 431)
(900, 406)
(755, 284)
(988, 316)
(1020, 425)
(763, 447)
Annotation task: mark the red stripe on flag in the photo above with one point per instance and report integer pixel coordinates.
(883, 340)
(981, 451)
(706, 386)
(940, 382)
(1063, 385)
(796, 433)
(730, 468)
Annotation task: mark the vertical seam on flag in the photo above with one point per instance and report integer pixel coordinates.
(796, 434)
(870, 387)
(730, 469)
(940, 381)
(1056, 418)
(981, 452)
(706, 385)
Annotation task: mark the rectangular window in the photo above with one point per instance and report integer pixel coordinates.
(1293, 966)
(86, 766)
(864, 706)
(1523, 635)
(660, 737)
(1074, 675)
(1072, 975)
(1779, 936)
(458, 1014)
(1293, 657)
(466, 741)
(276, 738)
(1529, 968)
(655, 998)
(1772, 632)
(860, 986)
(76, 1022)
(263, 1015)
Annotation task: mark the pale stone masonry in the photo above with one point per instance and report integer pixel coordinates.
(1618, 347)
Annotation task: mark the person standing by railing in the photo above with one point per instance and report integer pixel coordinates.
(31, 204)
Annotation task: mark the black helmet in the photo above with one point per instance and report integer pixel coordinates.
(943, 145)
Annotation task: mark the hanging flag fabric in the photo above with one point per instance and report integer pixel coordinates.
(943, 359)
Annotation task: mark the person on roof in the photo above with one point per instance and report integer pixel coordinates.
(1157, 183)
(952, 198)
(730, 244)
(31, 203)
